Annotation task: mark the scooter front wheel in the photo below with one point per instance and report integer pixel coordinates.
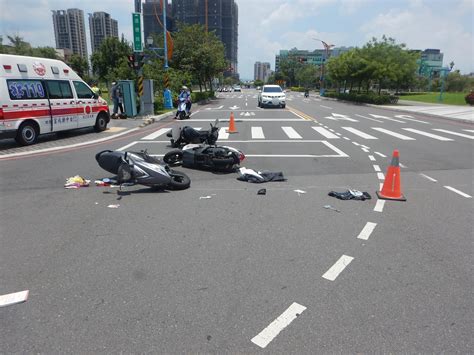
(179, 180)
(174, 157)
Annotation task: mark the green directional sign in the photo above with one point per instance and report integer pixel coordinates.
(137, 32)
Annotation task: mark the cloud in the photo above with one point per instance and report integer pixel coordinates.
(423, 29)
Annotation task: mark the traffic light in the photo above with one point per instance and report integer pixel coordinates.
(131, 61)
(139, 60)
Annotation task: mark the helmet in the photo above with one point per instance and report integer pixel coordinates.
(184, 87)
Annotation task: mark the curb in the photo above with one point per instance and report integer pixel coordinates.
(152, 119)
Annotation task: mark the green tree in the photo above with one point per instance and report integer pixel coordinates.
(44, 52)
(110, 62)
(457, 82)
(308, 75)
(18, 46)
(258, 83)
(79, 64)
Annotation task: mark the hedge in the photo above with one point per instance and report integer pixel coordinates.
(370, 98)
(470, 98)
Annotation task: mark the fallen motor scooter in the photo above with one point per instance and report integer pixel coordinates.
(185, 135)
(141, 168)
(199, 156)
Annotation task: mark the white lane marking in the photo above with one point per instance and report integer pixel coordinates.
(325, 133)
(402, 166)
(376, 167)
(257, 133)
(364, 146)
(333, 131)
(264, 338)
(347, 139)
(423, 133)
(339, 134)
(379, 206)
(454, 133)
(291, 133)
(371, 157)
(380, 186)
(355, 143)
(365, 150)
(458, 192)
(386, 118)
(52, 149)
(223, 134)
(338, 267)
(394, 134)
(367, 231)
(380, 176)
(13, 298)
(326, 107)
(127, 146)
(359, 133)
(410, 118)
(380, 154)
(469, 130)
(248, 119)
(428, 177)
(246, 104)
(157, 133)
(368, 118)
(337, 150)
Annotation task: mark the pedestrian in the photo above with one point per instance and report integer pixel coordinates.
(95, 89)
(114, 90)
(120, 101)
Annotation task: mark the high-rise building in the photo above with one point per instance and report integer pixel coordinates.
(70, 31)
(101, 26)
(220, 16)
(153, 17)
(261, 71)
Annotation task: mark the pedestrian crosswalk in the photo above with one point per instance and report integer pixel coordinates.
(323, 133)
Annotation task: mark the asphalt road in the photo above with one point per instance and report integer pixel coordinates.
(169, 272)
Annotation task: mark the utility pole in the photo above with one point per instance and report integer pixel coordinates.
(167, 101)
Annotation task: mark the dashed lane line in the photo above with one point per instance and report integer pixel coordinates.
(359, 133)
(379, 206)
(330, 108)
(380, 154)
(371, 157)
(376, 168)
(458, 192)
(429, 178)
(380, 176)
(337, 268)
(264, 338)
(367, 231)
(13, 298)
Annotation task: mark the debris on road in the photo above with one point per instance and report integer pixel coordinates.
(351, 195)
(106, 182)
(262, 192)
(75, 182)
(329, 207)
(253, 176)
(113, 206)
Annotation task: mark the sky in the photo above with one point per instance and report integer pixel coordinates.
(267, 26)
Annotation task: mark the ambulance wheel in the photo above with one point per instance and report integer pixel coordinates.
(101, 123)
(27, 133)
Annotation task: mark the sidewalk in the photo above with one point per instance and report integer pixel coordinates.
(450, 112)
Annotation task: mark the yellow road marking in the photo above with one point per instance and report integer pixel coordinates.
(301, 114)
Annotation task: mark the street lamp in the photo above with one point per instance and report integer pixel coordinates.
(443, 72)
(327, 47)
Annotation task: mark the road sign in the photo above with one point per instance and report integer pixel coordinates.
(137, 32)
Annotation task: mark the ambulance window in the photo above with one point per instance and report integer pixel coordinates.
(25, 89)
(83, 92)
(59, 89)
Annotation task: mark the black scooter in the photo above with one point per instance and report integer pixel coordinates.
(140, 168)
(184, 135)
(200, 156)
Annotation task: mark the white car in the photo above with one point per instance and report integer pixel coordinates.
(271, 95)
(237, 89)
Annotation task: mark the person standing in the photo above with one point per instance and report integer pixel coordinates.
(114, 90)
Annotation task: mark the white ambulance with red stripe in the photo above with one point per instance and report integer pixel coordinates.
(39, 95)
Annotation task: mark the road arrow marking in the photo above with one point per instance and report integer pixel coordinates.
(410, 118)
(337, 117)
(234, 107)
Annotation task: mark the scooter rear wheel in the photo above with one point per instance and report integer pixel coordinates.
(179, 180)
(174, 157)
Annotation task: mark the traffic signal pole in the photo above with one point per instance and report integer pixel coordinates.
(167, 101)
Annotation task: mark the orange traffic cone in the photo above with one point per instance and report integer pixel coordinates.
(391, 189)
(231, 128)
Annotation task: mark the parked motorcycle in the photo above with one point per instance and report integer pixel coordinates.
(199, 156)
(141, 168)
(185, 135)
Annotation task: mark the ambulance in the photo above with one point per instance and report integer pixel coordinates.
(39, 95)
